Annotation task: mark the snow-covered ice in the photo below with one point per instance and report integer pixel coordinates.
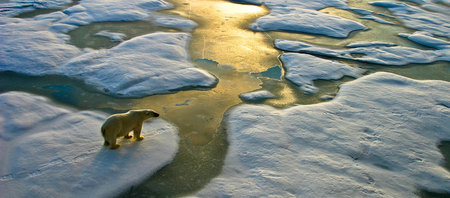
(385, 55)
(150, 64)
(114, 36)
(15, 7)
(377, 138)
(419, 19)
(426, 39)
(26, 46)
(306, 21)
(89, 11)
(145, 65)
(256, 96)
(303, 69)
(54, 151)
(303, 16)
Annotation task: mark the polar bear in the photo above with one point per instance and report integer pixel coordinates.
(119, 125)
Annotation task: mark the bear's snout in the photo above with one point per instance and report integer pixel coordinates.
(156, 114)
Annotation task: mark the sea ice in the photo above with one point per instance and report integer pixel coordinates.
(419, 19)
(377, 138)
(307, 21)
(302, 69)
(88, 11)
(26, 46)
(256, 96)
(15, 7)
(54, 151)
(385, 55)
(114, 36)
(302, 16)
(427, 39)
(145, 65)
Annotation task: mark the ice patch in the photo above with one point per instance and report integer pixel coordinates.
(426, 39)
(145, 65)
(376, 19)
(60, 152)
(256, 96)
(419, 19)
(385, 55)
(306, 21)
(112, 35)
(88, 11)
(302, 69)
(175, 22)
(15, 7)
(28, 47)
(377, 138)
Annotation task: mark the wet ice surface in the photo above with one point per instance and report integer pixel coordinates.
(372, 53)
(377, 138)
(145, 65)
(256, 96)
(143, 62)
(302, 16)
(302, 69)
(54, 151)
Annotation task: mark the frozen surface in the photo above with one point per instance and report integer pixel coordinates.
(256, 96)
(302, 16)
(88, 11)
(175, 22)
(427, 39)
(145, 65)
(52, 151)
(377, 19)
(306, 21)
(419, 19)
(385, 55)
(15, 7)
(114, 36)
(302, 69)
(26, 46)
(377, 138)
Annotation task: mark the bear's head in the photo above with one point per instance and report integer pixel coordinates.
(146, 113)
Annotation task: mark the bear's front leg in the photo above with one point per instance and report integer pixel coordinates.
(114, 145)
(137, 133)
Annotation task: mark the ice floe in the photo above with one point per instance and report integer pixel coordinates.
(306, 21)
(145, 65)
(303, 16)
(426, 39)
(53, 151)
(88, 11)
(377, 138)
(419, 19)
(302, 69)
(15, 7)
(28, 47)
(385, 55)
(114, 36)
(256, 96)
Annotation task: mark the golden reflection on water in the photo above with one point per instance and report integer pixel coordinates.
(223, 36)
(199, 113)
